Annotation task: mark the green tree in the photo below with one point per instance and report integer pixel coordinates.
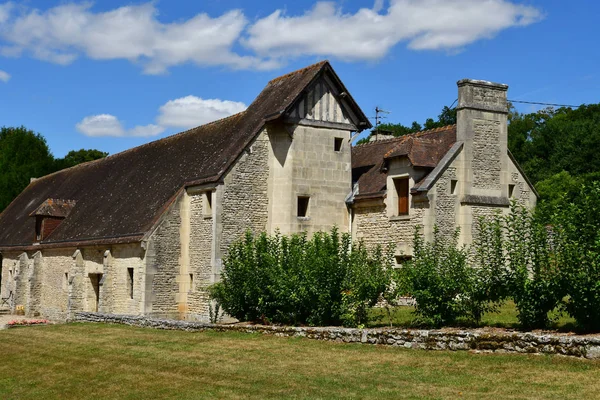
(446, 117)
(24, 154)
(75, 157)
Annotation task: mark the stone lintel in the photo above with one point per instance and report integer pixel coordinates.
(492, 201)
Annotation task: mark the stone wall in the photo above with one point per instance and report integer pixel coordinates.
(487, 154)
(55, 288)
(122, 258)
(446, 202)
(244, 201)
(304, 162)
(163, 252)
(201, 239)
(474, 340)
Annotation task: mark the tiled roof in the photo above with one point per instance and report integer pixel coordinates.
(120, 197)
(54, 208)
(423, 149)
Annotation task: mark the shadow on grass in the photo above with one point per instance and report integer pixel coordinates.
(505, 318)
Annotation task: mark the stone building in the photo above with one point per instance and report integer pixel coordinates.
(145, 231)
(446, 177)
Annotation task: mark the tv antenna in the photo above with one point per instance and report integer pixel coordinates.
(378, 117)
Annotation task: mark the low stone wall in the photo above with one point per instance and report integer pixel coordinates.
(475, 340)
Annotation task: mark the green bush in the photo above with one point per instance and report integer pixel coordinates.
(437, 277)
(324, 280)
(576, 231)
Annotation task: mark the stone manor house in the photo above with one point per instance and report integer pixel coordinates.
(145, 231)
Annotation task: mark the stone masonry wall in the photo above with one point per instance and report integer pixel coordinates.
(500, 342)
(201, 233)
(445, 203)
(245, 200)
(124, 257)
(55, 287)
(486, 154)
(374, 227)
(163, 260)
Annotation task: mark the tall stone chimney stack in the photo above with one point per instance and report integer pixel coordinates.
(482, 127)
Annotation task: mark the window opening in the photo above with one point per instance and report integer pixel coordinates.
(303, 205)
(337, 144)
(208, 204)
(402, 193)
(130, 281)
(453, 183)
(511, 190)
(191, 282)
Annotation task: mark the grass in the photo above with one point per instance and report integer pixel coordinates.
(112, 361)
(506, 317)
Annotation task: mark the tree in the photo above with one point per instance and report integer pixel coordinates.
(24, 154)
(446, 117)
(75, 157)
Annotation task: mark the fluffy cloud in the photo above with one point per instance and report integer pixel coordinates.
(63, 33)
(4, 76)
(190, 111)
(185, 112)
(369, 34)
(101, 125)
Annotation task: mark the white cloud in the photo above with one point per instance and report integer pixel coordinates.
(65, 32)
(190, 111)
(369, 34)
(101, 125)
(4, 76)
(146, 130)
(185, 112)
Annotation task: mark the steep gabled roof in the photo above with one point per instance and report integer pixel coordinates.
(423, 149)
(120, 197)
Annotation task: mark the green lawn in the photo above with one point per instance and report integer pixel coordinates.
(506, 317)
(112, 361)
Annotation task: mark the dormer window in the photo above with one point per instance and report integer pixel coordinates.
(49, 215)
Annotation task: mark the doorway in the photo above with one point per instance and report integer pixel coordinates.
(95, 281)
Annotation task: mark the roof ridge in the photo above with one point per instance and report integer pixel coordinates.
(408, 135)
(298, 71)
(138, 147)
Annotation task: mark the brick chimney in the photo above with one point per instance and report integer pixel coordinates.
(482, 127)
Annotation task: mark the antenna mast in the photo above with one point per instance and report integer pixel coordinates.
(378, 118)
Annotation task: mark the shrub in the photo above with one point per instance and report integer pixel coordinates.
(576, 228)
(533, 270)
(324, 280)
(437, 277)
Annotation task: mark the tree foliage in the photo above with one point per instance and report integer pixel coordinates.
(446, 117)
(25, 154)
(324, 280)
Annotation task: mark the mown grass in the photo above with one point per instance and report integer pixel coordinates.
(109, 361)
(506, 317)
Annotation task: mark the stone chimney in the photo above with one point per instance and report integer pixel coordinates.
(482, 127)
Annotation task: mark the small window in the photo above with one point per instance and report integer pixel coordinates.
(207, 209)
(453, 183)
(191, 282)
(401, 185)
(303, 206)
(337, 144)
(511, 191)
(66, 281)
(130, 281)
(39, 226)
(401, 259)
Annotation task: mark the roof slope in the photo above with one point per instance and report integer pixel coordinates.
(424, 149)
(121, 196)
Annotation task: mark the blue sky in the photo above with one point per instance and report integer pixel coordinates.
(111, 75)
